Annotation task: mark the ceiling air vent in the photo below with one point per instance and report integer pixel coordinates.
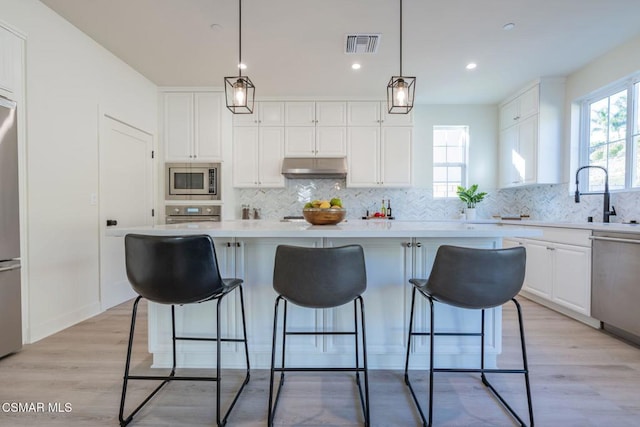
(362, 43)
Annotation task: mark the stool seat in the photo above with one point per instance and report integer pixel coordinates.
(179, 270)
(470, 278)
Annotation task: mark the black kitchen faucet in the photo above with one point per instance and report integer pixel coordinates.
(606, 211)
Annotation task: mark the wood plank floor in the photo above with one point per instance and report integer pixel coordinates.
(580, 377)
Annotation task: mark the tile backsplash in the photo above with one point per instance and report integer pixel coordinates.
(542, 202)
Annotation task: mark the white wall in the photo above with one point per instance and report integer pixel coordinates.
(69, 79)
(483, 141)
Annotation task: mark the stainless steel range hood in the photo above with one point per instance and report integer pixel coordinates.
(314, 167)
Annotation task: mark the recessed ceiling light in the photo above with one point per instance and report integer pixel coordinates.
(509, 26)
(355, 66)
(242, 66)
(471, 66)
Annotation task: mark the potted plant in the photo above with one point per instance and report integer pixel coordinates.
(471, 197)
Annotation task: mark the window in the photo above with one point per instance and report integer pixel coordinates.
(610, 136)
(450, 144)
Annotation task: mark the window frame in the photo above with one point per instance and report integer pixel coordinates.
(631, 172)
(464, 166)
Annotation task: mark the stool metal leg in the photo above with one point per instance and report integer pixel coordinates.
(275, 395)
(167, 378)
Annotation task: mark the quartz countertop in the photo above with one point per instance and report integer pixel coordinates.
(350, 228)
(594, 226)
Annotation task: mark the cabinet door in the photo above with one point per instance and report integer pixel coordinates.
(10, 60)
(529, 102)
(300, 113)
(538, 277)
(247, 119)
(207, 125)
(511, 162)
(331, 113)
(395, 156)
(363, 113)
(509, 114)
(300, 141)
(572, 277)
(271, 113)
(363, 156)
(245, 156)
(395, 119)
(528, 149)
(178, 126)
(331, 141)
(271, 154)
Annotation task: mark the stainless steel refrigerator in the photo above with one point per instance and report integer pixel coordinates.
(10, 301)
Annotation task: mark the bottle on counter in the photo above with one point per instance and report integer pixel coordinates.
(383, 209)
(389, 208)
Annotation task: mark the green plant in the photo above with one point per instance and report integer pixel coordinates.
(470, 195)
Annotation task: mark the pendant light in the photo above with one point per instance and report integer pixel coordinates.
(239, 90)
(401, 89)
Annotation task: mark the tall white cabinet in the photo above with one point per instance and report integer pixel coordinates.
(192, 126)
(531, 134)
(258, 146)
(379, 146)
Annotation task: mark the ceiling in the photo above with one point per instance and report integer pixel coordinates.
(295, 48)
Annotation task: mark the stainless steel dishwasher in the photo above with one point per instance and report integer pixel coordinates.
(615, 274)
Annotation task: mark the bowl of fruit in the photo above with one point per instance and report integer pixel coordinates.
(324, 212)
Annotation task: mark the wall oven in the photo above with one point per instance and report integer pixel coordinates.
(192, 213)
(192, 181)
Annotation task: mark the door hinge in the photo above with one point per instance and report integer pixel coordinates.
(153, 154)
(153, 212)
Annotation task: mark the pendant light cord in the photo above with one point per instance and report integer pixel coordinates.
(240, 37)
(401, 38)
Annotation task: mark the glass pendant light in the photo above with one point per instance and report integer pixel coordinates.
(239, 90)
(401, 89)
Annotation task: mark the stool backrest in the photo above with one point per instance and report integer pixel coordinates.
(476, 278)
(319, 277)
(172, 269)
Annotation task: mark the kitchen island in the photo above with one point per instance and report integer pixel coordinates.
(394, 252)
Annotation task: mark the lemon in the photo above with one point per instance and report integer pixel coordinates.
(325, 205)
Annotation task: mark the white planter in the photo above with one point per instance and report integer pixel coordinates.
(471, 214)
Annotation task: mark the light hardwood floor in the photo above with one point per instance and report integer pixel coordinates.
(580, 377)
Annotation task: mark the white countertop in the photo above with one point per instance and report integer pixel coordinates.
(594, 226)
(351, 229)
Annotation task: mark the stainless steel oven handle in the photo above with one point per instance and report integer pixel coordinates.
(12, 267)
(615, 239)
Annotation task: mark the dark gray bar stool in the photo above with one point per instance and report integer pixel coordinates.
(178, 270)
(300, 277)
(472, 279)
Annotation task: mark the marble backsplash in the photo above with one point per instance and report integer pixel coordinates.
(543, 202)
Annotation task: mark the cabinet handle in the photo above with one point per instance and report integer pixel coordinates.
(228, 244)
(418, 245)
(615, 239)
(550, 249)
(238, 244)
(408, 244)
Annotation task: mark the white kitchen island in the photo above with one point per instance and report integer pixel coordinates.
(395, 251)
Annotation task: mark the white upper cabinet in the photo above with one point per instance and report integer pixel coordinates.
(379, 156)
(531, 135)
(10, 61)
(379, 146)
(265, 113)
(192, 126)
(315, 129)
(371, 113)
(257, 156)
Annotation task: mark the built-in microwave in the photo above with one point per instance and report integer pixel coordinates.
(192, 181)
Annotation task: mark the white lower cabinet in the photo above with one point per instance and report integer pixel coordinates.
(558, 268)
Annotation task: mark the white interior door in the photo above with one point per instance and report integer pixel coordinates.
(126, 193)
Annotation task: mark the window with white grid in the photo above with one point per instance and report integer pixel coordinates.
(450, 146)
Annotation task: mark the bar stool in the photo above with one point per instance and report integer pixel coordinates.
(299, 277)
(178, 270)
(471, 279)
